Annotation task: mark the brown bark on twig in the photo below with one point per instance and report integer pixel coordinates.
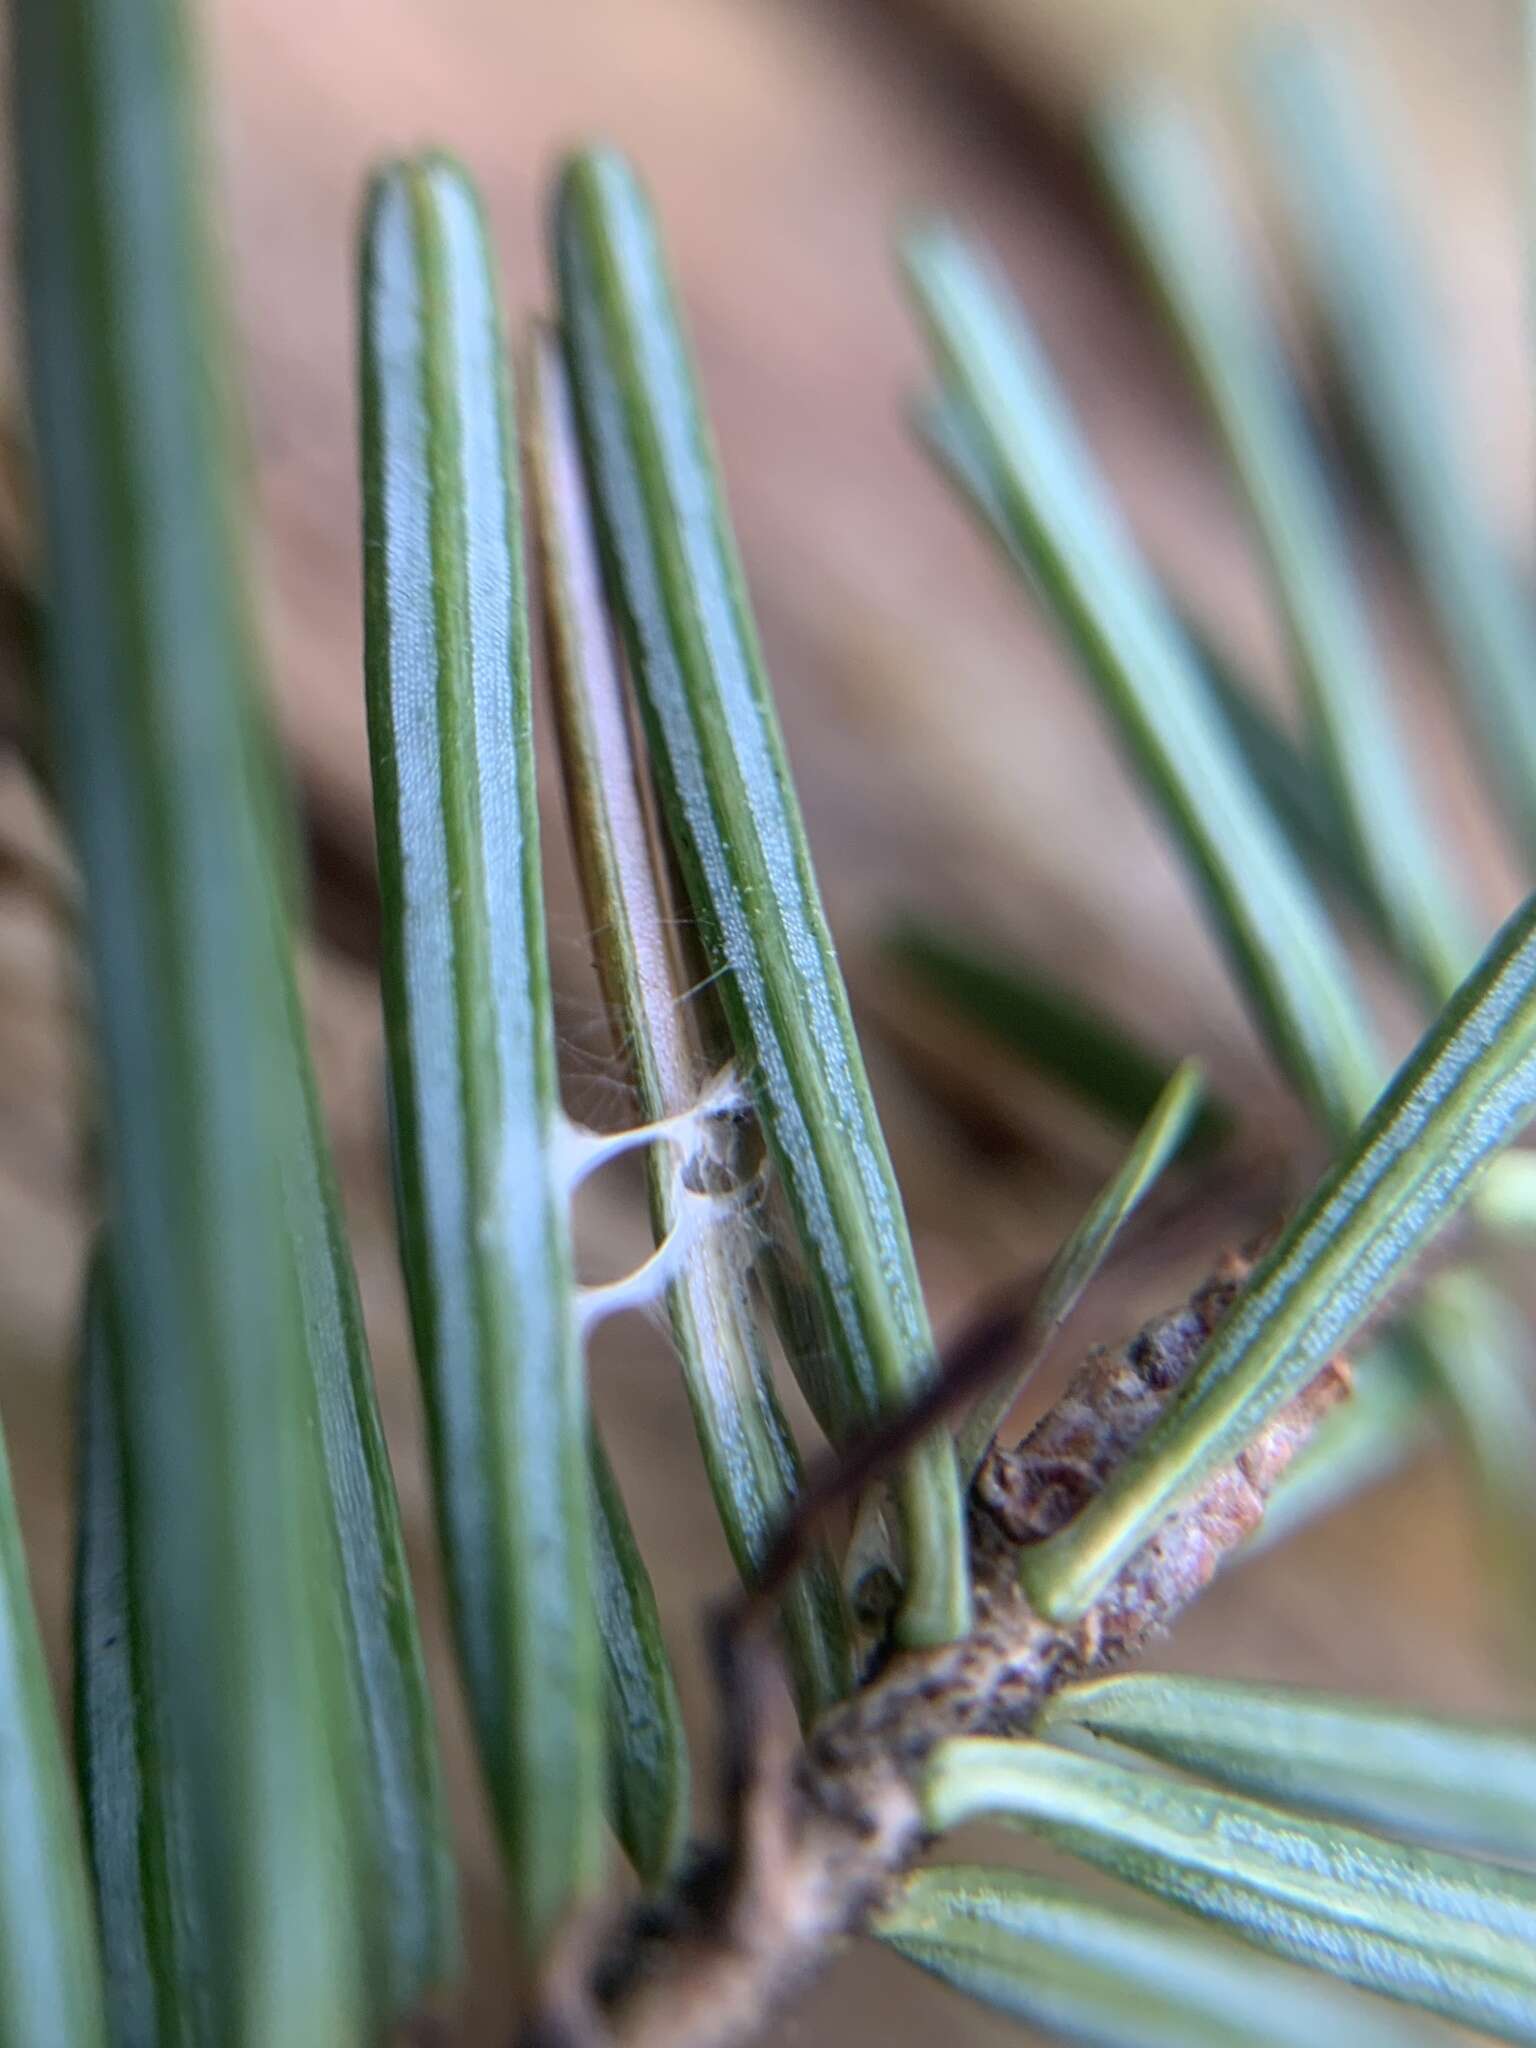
(819, 1831)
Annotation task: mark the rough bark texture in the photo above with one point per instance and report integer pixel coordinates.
(819, 1831)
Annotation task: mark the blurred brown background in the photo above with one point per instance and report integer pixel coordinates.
(945, 757)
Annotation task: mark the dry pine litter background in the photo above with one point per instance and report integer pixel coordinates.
(943, 757)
